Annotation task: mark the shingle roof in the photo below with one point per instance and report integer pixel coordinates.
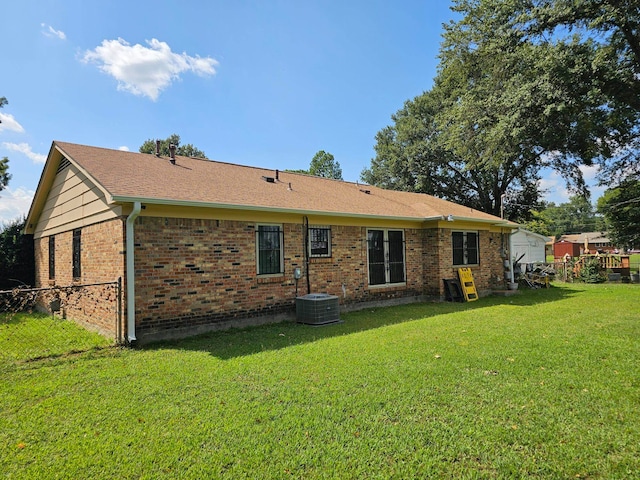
(591, 237)
(129, 176)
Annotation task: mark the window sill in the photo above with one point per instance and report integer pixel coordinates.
(320, 260)
(278, 278)
(389, 286)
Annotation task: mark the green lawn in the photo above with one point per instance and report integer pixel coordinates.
(30, 336)
(542, 385)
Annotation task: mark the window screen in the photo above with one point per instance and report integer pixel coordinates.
(320, 241)
(269, 249)
(386, 256)
(76, 253)
(465, 248)
(52, 257)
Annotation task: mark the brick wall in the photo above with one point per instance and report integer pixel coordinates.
(487, 275)
(102, 260)
(193, 272)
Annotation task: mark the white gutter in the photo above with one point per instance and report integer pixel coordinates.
(131, 274)
(296, 211)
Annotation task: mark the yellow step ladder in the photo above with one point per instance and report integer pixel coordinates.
(466, 282)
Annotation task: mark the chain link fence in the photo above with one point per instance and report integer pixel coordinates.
(47, 322)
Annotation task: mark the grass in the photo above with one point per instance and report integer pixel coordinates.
(542, 385)
(26, 337)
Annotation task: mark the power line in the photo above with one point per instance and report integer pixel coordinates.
(633, 200)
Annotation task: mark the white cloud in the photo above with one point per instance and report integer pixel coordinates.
(49, 31)
(556, 189)
(124, 148)
(146, 70)
(14, 203)
(589, 173)
(25, 149)
(9, 123)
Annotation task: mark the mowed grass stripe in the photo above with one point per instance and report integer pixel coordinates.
(542, 385)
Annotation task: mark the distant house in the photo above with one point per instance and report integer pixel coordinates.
(203, 245)
(548, 248)
(577, 244)
(528, 245)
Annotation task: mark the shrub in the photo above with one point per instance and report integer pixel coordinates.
(591, 271)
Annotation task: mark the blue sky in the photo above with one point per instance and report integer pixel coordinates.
(263, 83)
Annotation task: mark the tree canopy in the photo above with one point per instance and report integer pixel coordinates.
(17, 261)
(5, 176)
(587, 87)
(4, 161)
(323, 164)
(187, 150)
(575, 216)
(520, 86)
(621, 209)
(413, 155)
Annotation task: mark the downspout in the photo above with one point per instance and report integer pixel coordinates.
(511, 258)
(306, 251)
(511, 275)
(131, 274)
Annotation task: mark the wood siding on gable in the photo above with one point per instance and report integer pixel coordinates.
(73, 202)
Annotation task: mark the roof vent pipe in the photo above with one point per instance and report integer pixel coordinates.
(277, 174)
(157, 148)
(172, 153)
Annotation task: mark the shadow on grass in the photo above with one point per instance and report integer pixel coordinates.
(241, 342)
(32, 337)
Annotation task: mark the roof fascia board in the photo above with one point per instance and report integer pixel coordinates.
(38, 202)
(499, 223)
(229, 206)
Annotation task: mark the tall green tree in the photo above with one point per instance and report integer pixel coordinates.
(577, 215)
(187, 150)
(323, 164)
(539, 222)
(5, 176)
(415, 153)
(621, 208)
(17, 261)
(511, 97)
(587, 56)
(4, 161)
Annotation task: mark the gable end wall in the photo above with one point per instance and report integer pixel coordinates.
(102, 260)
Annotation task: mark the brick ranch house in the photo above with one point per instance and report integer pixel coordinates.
(204, 245)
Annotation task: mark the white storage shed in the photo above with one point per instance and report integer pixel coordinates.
(530, 244)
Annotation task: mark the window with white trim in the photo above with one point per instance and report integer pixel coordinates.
(319, 241)
(385, 256)
(466, 248)
(269, 251)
